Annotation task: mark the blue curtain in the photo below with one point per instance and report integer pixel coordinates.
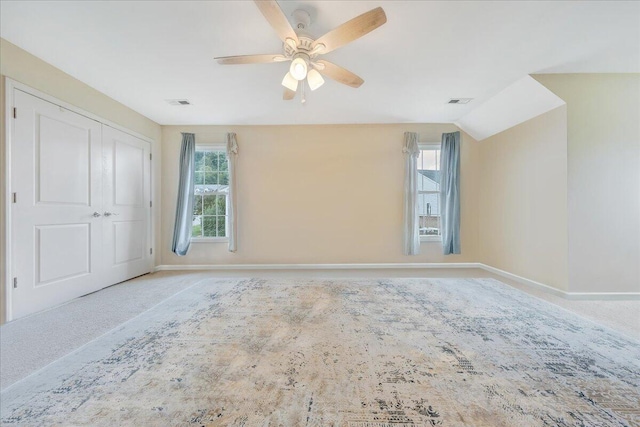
(450, 192)
(184, 206)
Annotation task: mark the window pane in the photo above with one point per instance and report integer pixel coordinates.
(199, 178)
(199, 161)
(221, 205)
(429, 214)
(429, 170)
(222, 226)
(429, 159)
(211, 162)
(211, 178)
(223, 178)
(223, 161)
(209, 226)
(428, 180)
(197, 205)
(430, 226)
(209, 205)
(196, 226)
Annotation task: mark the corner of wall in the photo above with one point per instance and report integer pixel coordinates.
(603, 172)
(522, 221)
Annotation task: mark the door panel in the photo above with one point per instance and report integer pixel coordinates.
(63, 156)
(126, 196)
(128, 168)
(56, 261)
(129, 239)
(56, 175)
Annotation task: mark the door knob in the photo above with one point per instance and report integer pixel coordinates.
(96, 214)
(110, 213)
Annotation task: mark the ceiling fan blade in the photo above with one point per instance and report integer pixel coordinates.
(250, 59)
(288, 94)
(274, 15)
(339, 74)
(351, 30)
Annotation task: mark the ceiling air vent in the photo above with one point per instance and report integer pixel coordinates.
(178, 102)
(460, 100)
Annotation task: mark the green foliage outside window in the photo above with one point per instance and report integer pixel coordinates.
(210, 200)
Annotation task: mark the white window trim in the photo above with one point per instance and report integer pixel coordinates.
(215, 146)
(209, 240)
(430, 146)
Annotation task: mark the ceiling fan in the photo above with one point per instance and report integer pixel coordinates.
(303, 51)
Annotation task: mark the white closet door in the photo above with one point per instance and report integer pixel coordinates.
(56, 173)
(126, 207)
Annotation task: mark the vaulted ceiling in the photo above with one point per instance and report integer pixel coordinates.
(143, 53)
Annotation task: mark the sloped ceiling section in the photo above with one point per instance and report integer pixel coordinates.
(519, 102)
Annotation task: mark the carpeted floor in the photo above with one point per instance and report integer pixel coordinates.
(357, 353)
(33, 342)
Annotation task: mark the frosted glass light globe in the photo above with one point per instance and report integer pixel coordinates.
(298, 69)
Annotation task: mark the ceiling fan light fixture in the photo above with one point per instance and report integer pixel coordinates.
(303, 49)
(315, 79)
(298, 68)
(290, 82)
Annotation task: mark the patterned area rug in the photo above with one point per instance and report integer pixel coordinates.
(352, 353)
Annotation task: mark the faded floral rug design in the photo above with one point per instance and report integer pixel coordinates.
(352, 353)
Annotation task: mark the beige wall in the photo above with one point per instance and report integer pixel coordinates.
(23, 67)
(555, 199)
(603, 112)
(318, 194)
(522, 209)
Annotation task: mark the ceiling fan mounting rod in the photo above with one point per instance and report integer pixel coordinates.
(302, 19)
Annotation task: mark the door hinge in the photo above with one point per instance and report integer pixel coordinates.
(150, 156)
(150, 204)
(15, 282)
(150, 251)
(15, 113)
(15, 197)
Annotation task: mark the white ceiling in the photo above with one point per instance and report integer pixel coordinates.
(519, 102)
(141, 53)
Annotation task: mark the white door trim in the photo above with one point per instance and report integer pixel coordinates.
(10, 87)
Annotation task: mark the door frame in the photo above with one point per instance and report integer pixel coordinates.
(9, 91)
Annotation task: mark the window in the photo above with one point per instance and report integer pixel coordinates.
(211, 193)
(429, 192)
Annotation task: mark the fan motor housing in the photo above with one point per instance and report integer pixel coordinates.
(304, 45)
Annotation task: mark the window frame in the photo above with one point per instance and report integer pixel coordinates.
(217, 239)
(431, 238)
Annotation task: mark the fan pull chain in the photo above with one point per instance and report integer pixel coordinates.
(304, 97)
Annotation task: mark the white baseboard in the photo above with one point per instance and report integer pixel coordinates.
(379, 266)
(376, 266)
(524, 281)
(608, 296)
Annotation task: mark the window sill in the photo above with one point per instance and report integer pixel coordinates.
(431, 239)
(210, 240)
